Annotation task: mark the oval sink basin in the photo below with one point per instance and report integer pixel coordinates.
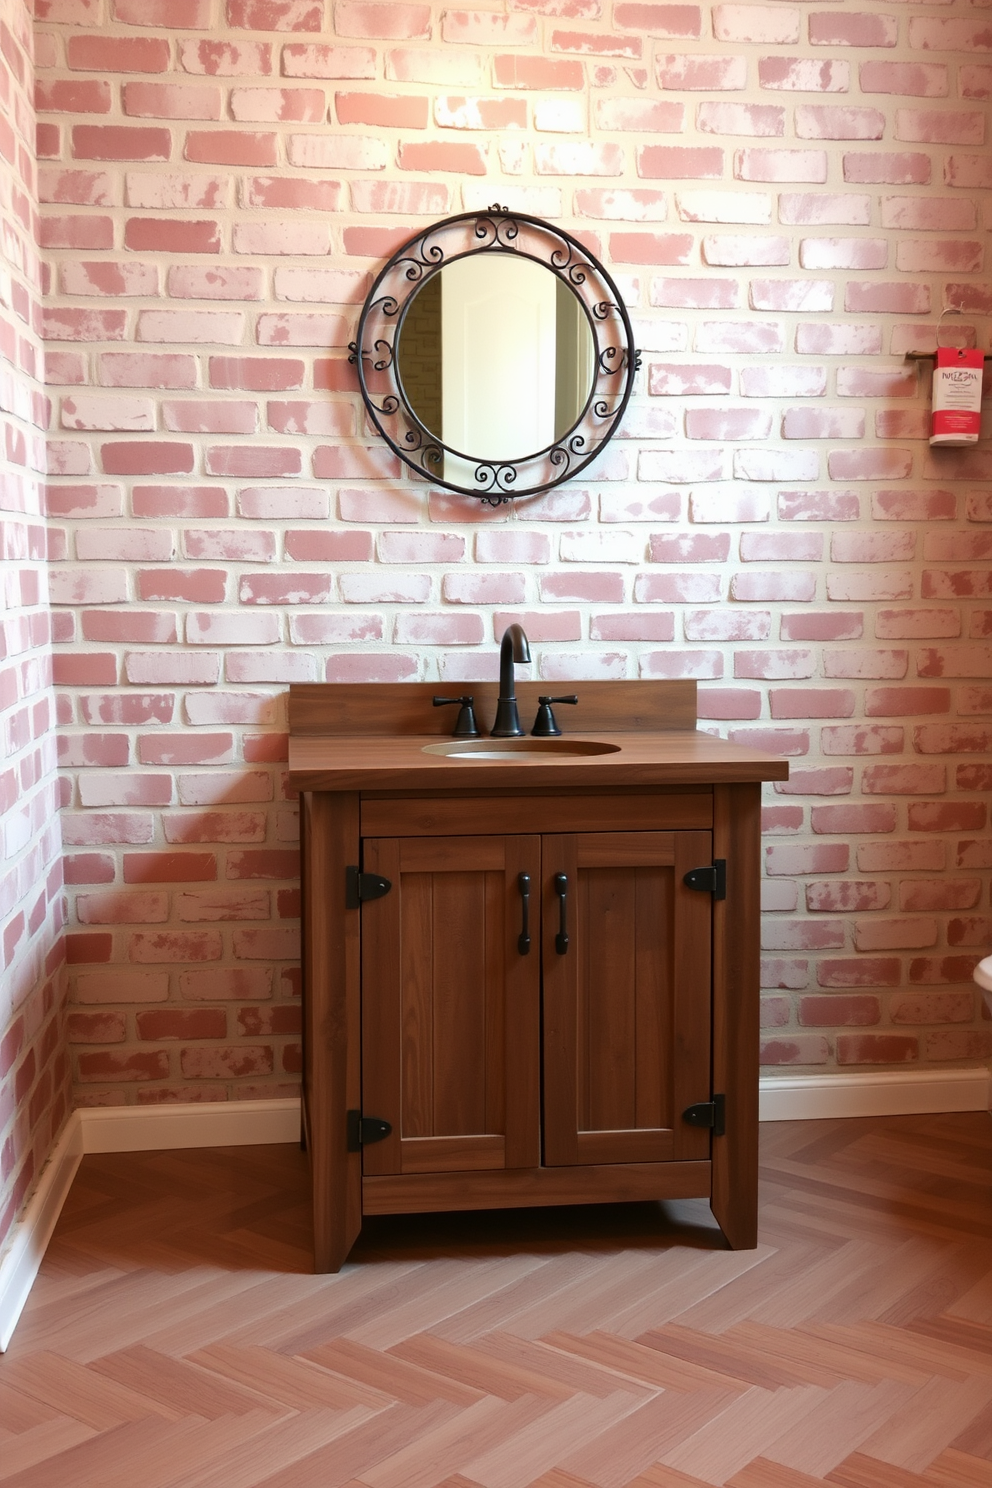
(482, 751)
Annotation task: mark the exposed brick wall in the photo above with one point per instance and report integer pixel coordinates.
(788, 197)
(34, 1087)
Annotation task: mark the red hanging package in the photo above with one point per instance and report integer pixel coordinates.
(957, 396)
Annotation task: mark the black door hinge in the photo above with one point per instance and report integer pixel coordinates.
(360, 887)
(711, 1114)
(709, 880)
(364, 1130)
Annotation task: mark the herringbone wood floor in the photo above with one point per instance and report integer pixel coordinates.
(175, 1338)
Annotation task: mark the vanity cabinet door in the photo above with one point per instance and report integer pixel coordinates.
(451, 1004)
(627, 1000)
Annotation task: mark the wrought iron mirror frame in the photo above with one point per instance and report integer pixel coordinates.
(420, 258)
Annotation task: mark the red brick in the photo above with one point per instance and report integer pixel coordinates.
(153, 235)
(256, 1022)
(809, 702)
(89, 868)
(672, 21)
(786, 973)
(169, 867)
(120, 142)
(231, 147)
(916, 779)
(811, 858)
(159, 1024)
(938, 894)
(267, 863)
(150, 457)
(834, 28)
(801, 1049)
(256, 374)
(72, 96)
(226, 1062)
(391, 111)
(975, 930)
(77, 231)
(838, 1012)
(96, 1028)
(651, 248)
(859, 971)
(392, 21)
(930, 970)
(171, 101)
(946, 816)
(544, 74)
(276, 15)
(836, 626)
(952, 738)
(112, 1067)
(885, 857)
(819, 506)
(172, 946)
(775, 741)
(959, 1043)
(101, 53)
(877, 1048)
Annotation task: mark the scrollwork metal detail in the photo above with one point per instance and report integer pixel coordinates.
(374, 354)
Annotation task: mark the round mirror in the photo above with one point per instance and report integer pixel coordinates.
(495, 355)
(495, 358)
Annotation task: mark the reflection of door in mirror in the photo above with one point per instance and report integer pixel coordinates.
(496, 356)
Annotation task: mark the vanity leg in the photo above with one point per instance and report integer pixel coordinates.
(736, 946)
(332, 1021)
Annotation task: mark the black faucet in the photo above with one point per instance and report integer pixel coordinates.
(512, 648)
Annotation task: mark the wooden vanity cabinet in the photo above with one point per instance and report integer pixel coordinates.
(493, 1039)
(537, 1000)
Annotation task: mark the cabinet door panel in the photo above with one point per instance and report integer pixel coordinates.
(627, 1005)
(451, 1005)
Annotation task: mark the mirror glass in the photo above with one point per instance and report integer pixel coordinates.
(496, 358)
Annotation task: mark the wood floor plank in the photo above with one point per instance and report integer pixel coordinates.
(483, 1426)
(840, 1424)
(40, 1443)
(295, 1383)
(636, 1361)
(74, 1390)
(479, 1370)
(645, 1436)
(762, 1473)
(178, 1384)
(394, 1377)
(863, 1471)
(954, 1469)
(933, 1418)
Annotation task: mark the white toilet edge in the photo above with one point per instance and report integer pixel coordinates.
(983, 975)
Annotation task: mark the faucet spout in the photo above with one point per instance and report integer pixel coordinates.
(513, 648)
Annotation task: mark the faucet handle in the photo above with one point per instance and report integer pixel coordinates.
(465, 725)
(545, 724)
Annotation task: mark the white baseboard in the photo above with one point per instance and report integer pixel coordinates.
(30, 1236)
(255, 1123)
(873, 1093)
(212, 1124)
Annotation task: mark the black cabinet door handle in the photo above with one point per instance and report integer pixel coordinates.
(523, 939)
(561, 889)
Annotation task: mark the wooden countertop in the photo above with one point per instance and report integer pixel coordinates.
(641, 758)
